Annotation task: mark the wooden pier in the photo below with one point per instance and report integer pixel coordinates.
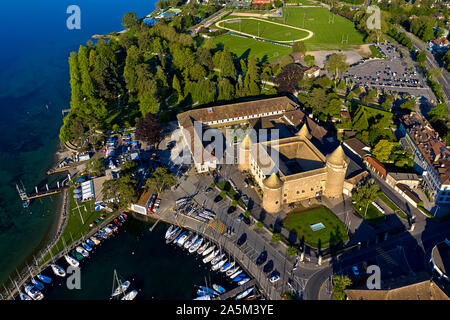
(236, 291)
(24, 196)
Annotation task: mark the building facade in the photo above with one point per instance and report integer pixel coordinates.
(287, 166)
(431, 156)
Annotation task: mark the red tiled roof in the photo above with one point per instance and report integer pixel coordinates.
(377, 165)
(433, 149)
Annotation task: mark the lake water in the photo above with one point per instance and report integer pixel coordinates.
(34, 82)
(157, 270)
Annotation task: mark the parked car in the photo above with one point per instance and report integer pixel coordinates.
(231, 209)
(240, 218)
(262, 258)
(208, 190)
(268, 266)
(242, 239)
(274, 277)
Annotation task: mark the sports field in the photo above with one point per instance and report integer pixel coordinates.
(245, 47)
(265, 29)
(331, 31)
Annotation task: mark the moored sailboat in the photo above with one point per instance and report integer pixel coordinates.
(245, 293)
(130, 295)
(203, 248)
(209, 250)
(211, 256)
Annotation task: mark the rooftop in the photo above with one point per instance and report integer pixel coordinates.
(358, 147)
(425, 290)
(433, 149)
(441, 257)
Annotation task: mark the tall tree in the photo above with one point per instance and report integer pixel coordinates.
(336, 63)
(227, 68)
(383, 150)
(148, 129)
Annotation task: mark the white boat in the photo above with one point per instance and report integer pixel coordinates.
(183, 239)
(203, 248)
(72, 261)
(57, 270)
(121, 289)
(130, 295)
(227, 267)
(234, 275)
(169, 231)
(232, 270)
(189, 242)
(205, 297)
(217, 259)
(196, 245)
(107, 230)
(24, 296)
(83, 252)
(211, 256)
(34, 293)
(218, 265)
(243, 281)
(210, 249)
(245, 293)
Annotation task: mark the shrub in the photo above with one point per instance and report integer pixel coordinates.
(292, 251)
(259, 224)
(247, 214)
(276, 237)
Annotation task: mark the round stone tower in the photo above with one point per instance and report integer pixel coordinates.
(272, 190)
(336, 168)
(244, 152)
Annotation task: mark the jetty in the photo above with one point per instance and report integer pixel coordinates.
(24, 196)
(230, 294)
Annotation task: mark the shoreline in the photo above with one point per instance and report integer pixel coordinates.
(51, 236)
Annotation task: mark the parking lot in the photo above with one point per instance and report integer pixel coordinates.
(394, 73)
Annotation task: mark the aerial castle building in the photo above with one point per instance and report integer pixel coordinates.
(302, 171)
(287, 166)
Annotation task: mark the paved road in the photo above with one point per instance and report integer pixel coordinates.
(431, 62)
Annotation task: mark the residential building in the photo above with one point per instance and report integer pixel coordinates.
(431, 156)
(425, 290)
(357, 147)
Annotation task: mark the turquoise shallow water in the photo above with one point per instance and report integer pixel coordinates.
(34, 72)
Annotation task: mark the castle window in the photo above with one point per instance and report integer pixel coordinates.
(312, 189)
(303, 191)
(276, 202)
(285, 194)
(298, 192)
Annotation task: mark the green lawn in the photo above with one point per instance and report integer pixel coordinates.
(372, 215)
(75, 228)
(326, 35)
(266, 30)
(245, 47)
(392, 205)
(375, 52)
(300, 222)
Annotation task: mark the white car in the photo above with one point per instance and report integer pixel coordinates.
(274, 278)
